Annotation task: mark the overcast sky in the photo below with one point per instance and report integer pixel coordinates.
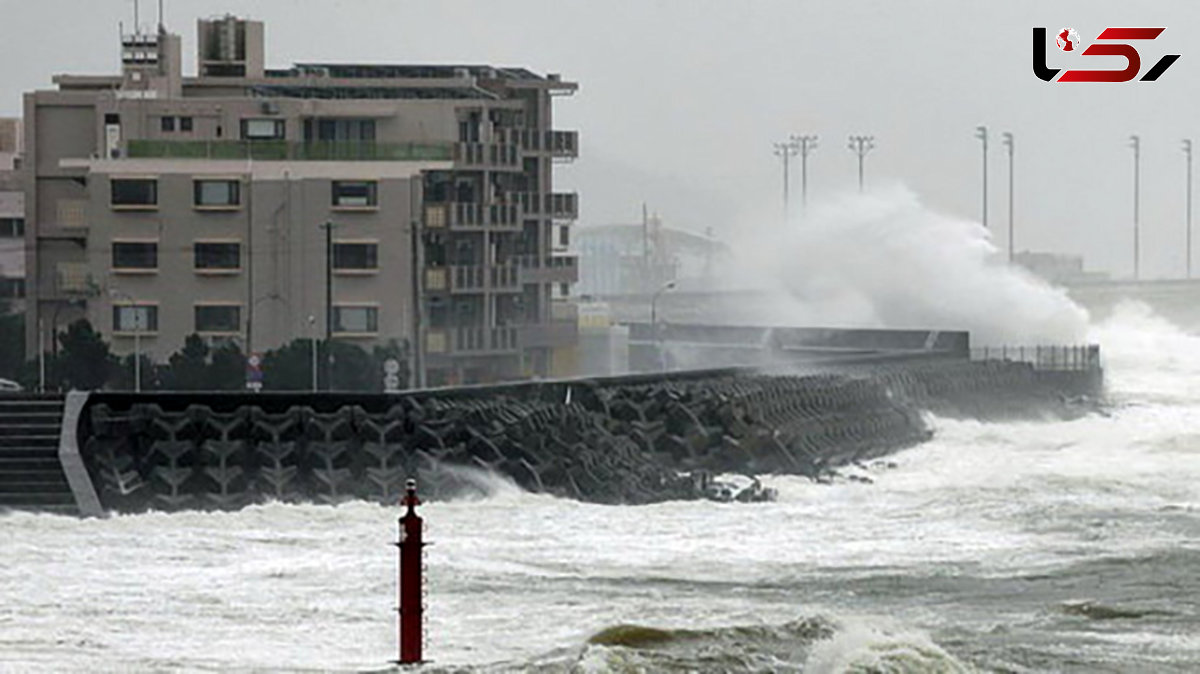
(680, 100)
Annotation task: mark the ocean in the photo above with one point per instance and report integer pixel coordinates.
(1040, 546)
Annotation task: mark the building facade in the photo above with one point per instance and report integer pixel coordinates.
(12, 218)
(369, 202)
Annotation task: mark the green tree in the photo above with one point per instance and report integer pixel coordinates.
(12, 342)
(188, 367)
(227, 368)
(289, 368)
(84, 359)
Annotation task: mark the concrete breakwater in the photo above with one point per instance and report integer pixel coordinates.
(634, 439)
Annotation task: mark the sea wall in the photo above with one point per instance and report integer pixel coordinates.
(631, 439)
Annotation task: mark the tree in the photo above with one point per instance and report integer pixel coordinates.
(188, 367)
(289, 368)
(227, 368)
(84, 359)
(12, 342)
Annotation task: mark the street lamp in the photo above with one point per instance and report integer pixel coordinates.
(312, 333)
(669, 285)
(137, 336)
(786, 150)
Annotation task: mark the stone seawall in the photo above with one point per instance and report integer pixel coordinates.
(625, 439)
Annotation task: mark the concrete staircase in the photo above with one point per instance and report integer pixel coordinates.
(31, 477)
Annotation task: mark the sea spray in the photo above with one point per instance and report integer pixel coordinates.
(884, 260)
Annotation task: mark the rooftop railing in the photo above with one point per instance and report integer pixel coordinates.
(281, 150)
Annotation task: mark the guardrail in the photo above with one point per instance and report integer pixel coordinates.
(1045, 357)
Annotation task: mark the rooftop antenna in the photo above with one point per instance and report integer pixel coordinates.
(161, 28)
(137, 29)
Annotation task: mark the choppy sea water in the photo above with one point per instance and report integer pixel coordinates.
(1028, 547)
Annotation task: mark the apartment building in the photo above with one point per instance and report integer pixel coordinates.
(12, 218)
(367, 202)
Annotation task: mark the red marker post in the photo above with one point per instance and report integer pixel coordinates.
(411, 595)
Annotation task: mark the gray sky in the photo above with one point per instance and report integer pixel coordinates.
(680, 101)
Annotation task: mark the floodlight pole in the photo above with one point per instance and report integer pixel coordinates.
(861, 145)
(786, 150)
(981, 133)
(1136, 144)
(806, 144)
(1187, 150)
(1008, 144)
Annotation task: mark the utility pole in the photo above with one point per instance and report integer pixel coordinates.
(328, 227)
(786, 150)
(806, 144)
(1187, 150)
(1136, 144)
(982, 134)
(861, 145)
(1008, 144)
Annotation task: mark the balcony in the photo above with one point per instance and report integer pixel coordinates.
(471, 341)
(480, 278)
(555, 269)
(556, 334)
(487, 156)
(560, 144)
(472, 216)
(280, 150)
(563, 205)
(564, 144)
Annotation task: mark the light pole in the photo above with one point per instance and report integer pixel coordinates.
(312, 333)
(669, 285)
(982, 134)
(1187, 150)
(1136, 143)
(786, 150)
(806, 144)
(328, 227)
(137, 336)
(861, 145)
(1008, 144)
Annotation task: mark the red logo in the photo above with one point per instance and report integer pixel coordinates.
(1068, 40)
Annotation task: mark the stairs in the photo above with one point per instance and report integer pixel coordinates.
(31, 477)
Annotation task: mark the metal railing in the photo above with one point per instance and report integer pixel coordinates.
(1067, 358)
(486, 154)
(481, 277)
(288, 150)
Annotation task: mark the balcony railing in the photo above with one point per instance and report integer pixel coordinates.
(471, 340)
(469, 215)
(564, 144)
(280, 150)
(487, 155)
(561, 144)
(477, 278)
(554, 269)
(563, 205)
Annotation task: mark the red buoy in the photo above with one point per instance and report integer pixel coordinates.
(411, 595)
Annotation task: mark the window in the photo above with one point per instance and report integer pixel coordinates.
(12, 288)
(335, 130)
(168, 123)
(135, 255)
(218, 317)
(216, 255)
(12, 228)
(262, 129)
(216, 193)
(564, 236)
(354, 193)
(135, 318)
(185, 123)
(356, 256)
(134, 192)
(356, 319)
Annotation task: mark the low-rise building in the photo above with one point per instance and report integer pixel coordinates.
(364, 202)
